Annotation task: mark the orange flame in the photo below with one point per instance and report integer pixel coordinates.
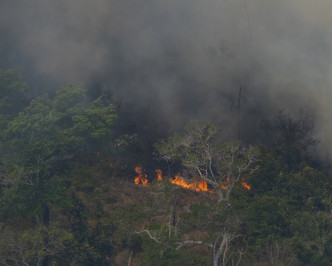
(246, 186)
(159, 174)
(196, 186)
(141, 178)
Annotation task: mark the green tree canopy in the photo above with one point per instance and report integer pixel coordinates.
(50, 132)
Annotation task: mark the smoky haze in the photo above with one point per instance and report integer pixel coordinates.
(179, 60)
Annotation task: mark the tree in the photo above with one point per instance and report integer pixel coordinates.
(220, 164)
(166, 237)
(32, 246)
(40, 141)
(289, 137)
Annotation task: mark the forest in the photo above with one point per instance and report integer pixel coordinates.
(80, 185)
(153, 132)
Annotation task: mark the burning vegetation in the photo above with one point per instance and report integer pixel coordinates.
(140, 179)
(201, 185)
(195, 185)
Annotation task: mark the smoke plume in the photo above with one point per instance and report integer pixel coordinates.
(179, 60)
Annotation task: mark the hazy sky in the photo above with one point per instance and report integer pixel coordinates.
(186, 58)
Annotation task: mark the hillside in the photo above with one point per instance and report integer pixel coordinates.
(77, 189)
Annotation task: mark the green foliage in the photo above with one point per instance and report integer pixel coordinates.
(288, 206)
(27, 201)
(59, 206)
(312, 240)
(290, 138)
(47, 140)
(34, 245)
(69, 99)
(50, 131)
(13, 95)
(94, 126)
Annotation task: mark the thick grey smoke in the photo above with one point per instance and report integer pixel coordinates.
(181, 59)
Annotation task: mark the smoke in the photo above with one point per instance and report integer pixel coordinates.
(179, 60)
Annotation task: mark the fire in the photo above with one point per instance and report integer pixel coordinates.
(159, 174)
(246, 186)
(202, 185)
(141, 178)
(196, 185)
